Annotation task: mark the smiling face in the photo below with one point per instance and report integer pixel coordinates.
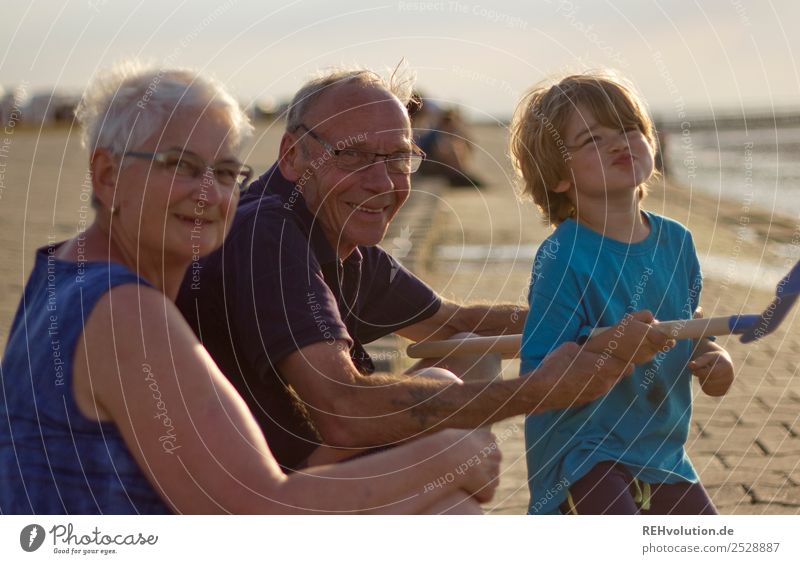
(353, 207)
(170, 215)
(606, 160)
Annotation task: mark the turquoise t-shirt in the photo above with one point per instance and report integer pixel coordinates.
(583, 280)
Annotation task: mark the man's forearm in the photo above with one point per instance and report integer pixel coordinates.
(488, 319)
(372, 415)
(498, 319)
(483, 319)
(475, 404)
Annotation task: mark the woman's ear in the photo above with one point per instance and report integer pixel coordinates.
(561, 187)
(290, 161)
(104, 168)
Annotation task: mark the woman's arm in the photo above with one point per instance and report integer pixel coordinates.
(140, 365)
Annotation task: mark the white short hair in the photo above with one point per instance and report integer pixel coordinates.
(400, 85)
(128, 103)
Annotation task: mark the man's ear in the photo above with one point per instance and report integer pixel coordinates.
(291, 163)
(104, 168)
(562, 187)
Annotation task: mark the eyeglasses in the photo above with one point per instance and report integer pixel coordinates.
(191, 165)
(355, 159)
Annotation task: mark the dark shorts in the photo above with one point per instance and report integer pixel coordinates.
(610, 489)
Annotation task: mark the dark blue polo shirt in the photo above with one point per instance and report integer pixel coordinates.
(276, 286)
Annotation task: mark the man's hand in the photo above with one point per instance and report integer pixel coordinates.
(714, 370)
(635, 339)
(571, 376)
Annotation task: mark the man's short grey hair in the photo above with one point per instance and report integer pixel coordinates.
(399, 84)
(125, 105)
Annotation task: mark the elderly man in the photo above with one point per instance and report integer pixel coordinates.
(300, 285)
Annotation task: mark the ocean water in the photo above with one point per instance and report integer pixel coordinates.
(755, 167)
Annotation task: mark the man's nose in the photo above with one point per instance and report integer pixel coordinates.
(377, 177)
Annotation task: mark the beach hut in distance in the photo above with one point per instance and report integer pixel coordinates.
(51, 108)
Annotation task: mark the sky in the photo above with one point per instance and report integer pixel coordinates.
(683, 56)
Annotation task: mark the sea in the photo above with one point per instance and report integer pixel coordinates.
(758, 167)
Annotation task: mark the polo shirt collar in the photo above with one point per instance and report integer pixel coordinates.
(272, 182)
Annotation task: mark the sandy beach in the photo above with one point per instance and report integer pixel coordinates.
(745, 445)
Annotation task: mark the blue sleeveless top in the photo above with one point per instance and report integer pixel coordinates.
(53, 460)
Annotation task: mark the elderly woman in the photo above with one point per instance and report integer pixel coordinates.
(110, 404)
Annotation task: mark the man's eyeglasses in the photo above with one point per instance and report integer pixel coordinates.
(356, 159)
(191, 165)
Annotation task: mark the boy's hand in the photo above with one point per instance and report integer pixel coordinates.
(634, 339)
(714, 369)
